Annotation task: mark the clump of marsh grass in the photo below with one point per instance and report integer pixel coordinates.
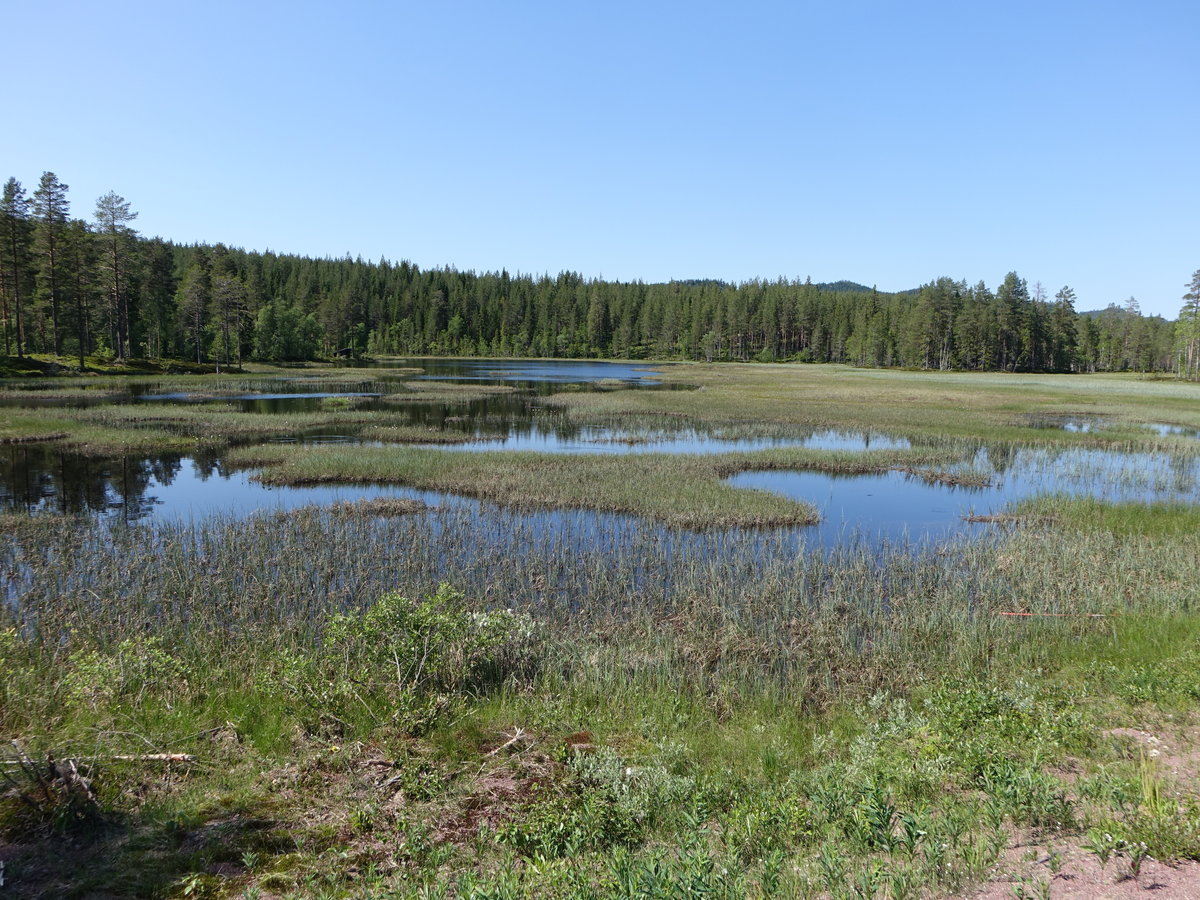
(375, 507)
(444, 391)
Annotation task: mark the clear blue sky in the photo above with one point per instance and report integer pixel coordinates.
(884, 142)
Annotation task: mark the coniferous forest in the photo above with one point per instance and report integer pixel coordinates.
(74, 288)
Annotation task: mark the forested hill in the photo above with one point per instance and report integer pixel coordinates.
(72, 286)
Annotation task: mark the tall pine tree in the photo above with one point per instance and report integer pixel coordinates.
(50, 208)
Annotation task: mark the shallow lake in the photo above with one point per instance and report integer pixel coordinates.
(888, 507)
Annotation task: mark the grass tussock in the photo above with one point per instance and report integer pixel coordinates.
(445, 391)
(1134, 520)
(376, 507)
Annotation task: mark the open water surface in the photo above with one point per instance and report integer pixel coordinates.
(889, 507)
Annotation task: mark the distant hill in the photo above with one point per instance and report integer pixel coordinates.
(853, 287)
(833, 287)
(845, 287)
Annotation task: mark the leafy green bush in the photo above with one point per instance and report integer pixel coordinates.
(1029, 796)
(137, 667)
(1174, 680)
(405, 660)
(566, 820)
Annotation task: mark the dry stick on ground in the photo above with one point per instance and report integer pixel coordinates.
(24, 762)
(520, 735)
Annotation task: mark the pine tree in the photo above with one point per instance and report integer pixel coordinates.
(229, 313)
(157, 296)
(112, 221)
(79, 250)
(1065, 335)
(1188, 330)
(50, 208)
(1012, 301)
(14, 262)
(192, 301)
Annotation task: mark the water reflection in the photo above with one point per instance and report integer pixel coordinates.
(891, 506)
(557, 434)
(1098, 424)
(902, 506)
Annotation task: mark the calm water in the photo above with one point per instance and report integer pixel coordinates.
(550, 435)
(534, 374)
(904, 506)
(1098, 425)
(892, 506)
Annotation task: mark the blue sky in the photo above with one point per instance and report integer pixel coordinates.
(889, 143)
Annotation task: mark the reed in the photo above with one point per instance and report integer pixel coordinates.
(917, 405)
(772, 701)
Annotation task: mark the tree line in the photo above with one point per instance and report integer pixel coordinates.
(71, 287)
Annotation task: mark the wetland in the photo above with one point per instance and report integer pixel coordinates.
(593, 629)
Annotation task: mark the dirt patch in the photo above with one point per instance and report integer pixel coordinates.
(1080, 877)
(1174, 751)
(1070, 872)
(513, 776)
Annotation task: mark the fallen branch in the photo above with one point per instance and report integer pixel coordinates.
(120, 757)
(520, 735)
(150, 757)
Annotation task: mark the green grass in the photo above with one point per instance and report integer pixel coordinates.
(444, 392)
(635, 712)
(43, 365)
(680, 490)
(759, 730)
(922, 405)
(1145, 520)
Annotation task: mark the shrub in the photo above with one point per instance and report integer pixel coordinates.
(405, 660)
(137, 667)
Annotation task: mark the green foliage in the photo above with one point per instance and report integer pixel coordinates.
(603, 803)
(407, 661)
(1173, 680)
(165, 300)
(567, 820)
(765, 823)
(135, 668)
(1028, 795)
